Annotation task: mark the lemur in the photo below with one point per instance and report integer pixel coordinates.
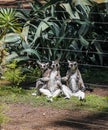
(53, 88)
(41, 82)
(74, 82)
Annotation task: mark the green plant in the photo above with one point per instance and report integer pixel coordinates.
(3, 118)
(99, 76)
(14, 74)
(31, 74)
(62, 29)
(54, 29)
(9, 21)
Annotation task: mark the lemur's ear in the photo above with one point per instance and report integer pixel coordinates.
(52, 62)
(57, 60)
(38, 62)
(47, 64)
(68, 61)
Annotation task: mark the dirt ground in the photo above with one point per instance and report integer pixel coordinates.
(27, 117)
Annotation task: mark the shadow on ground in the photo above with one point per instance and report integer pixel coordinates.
(93, 121)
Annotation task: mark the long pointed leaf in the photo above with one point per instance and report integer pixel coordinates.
(30, 52)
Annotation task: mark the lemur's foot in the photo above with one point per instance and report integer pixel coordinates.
(83, 100)
(34, 94)
(50, 99)
(66, 97)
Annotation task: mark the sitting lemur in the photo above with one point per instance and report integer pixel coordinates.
(41, 82)
(53, 86)
(74, 82)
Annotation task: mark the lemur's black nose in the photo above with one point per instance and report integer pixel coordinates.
(53, 65)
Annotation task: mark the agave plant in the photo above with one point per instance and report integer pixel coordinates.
(9, 21)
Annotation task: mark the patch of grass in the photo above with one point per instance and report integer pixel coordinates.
(92, 103)
(10, 94)
(3, 118)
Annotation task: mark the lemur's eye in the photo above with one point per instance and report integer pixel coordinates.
(57, 65)
(75, 63)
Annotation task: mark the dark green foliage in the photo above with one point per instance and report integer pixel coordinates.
(31, 74)
(96, 76)
(64, 29)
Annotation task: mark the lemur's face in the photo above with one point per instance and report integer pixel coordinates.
(43, 66)
(55, 65)
(73, 65)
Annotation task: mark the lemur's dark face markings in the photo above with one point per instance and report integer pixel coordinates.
(43, 66)
(55, 65)
(73, 65)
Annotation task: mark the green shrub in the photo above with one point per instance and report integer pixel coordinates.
(14, 74)
(95, 75)
(31, 74)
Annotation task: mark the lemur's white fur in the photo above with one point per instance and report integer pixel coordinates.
(53, 87)
(74, 81)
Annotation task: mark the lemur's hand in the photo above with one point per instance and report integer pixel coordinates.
(83, 89)
(64, 79)
(58, 78)
(38, 79)
(44, 79)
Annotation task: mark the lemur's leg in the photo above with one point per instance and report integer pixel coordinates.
(39, 84)
(59, 83)
(66, 91)
(79, 94)
(56, 93)
(45, 92)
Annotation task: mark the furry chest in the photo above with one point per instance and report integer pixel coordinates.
(73, 76)
(53, 75)
(73, 82)
(52, 84)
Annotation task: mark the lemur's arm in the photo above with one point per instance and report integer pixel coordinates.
(58, 80)
(80, 80)
(46, 73)
(65, 78)
(58, 77)
(44, 79)
(45, 76)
